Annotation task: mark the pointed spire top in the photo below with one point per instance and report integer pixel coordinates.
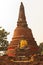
(21, 6)
(21, 3)
(22, 18)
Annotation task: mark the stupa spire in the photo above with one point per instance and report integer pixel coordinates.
(22, 18)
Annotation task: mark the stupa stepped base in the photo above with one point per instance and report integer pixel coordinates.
(34, 60)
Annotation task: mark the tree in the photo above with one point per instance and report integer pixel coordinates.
(3, 38)
(41, 48)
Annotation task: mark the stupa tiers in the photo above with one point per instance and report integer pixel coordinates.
(23, 42)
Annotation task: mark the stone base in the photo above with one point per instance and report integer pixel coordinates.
(36, 60)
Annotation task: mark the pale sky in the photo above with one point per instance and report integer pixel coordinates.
(9, 11)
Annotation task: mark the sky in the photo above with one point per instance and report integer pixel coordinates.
(9, 12)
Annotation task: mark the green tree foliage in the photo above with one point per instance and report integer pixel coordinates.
(3, 38)
(41, 48)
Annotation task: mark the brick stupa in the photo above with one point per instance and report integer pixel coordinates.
(23, 49)
(23, 42)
